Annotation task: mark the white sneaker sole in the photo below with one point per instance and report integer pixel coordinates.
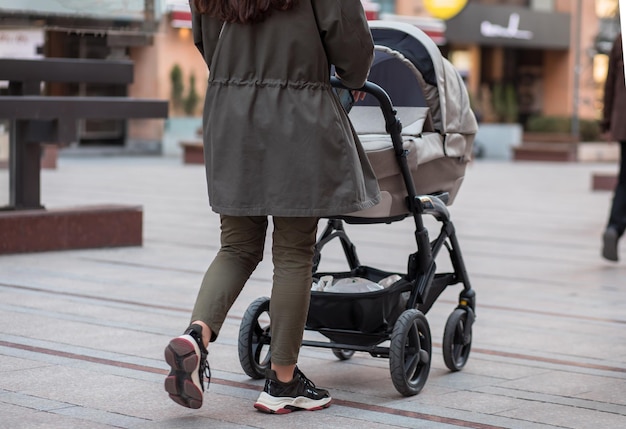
(284, 405)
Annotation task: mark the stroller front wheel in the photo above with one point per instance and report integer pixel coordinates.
(254, 339)
(457, 338)
(410, 352)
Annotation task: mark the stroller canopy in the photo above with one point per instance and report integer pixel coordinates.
(411, 69)
(433, 106)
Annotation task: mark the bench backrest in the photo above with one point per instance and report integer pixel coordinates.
(66, 70)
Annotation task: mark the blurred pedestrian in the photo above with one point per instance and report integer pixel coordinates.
(276, 143)
(614, 124)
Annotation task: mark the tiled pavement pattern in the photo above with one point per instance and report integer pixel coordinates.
(82, 332)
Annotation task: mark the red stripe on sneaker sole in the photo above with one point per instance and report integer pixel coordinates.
(266, 410)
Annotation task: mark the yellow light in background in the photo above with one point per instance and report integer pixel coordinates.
(461, 60)
(600, 67)
(606, 8)
(184, 33)
(444, 9)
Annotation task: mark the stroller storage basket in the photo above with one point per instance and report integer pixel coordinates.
(366, 312)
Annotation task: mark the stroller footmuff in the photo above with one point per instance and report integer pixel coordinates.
(417, 129)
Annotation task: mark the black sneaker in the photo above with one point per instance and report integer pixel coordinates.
(298, 394)
(609, 244)
(187, 357)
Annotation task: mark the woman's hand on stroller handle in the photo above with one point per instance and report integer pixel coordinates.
(391, 122)
(358, 95)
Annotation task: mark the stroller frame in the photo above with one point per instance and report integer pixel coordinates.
(407, 329)
(421, 267)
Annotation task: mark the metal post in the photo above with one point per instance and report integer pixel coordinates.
(24, 176)
(24, 156)
(576, 96)
(149, 15)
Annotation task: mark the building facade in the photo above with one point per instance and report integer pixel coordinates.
(525, 58)
(519, 58)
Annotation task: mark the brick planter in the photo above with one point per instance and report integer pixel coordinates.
(555, 147)
(603, 182)
(193, 152)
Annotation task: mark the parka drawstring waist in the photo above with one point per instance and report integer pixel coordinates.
(271, 83)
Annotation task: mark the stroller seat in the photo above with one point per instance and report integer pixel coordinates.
(438, 125)
(435, 167)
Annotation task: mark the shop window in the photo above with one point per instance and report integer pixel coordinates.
(462, 61)
(92, 132)
(607, 8)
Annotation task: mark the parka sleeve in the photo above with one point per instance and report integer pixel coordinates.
(346, 38)
(609, 85)
(206, 32)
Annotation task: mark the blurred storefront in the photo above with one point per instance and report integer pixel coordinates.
(535, 57)
(512, 49)
(546, 55)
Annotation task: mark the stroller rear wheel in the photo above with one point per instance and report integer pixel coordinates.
(254, 339)
(410, 352)
(457, 339)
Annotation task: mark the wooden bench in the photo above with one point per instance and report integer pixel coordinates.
(37, 119)
(557, 147)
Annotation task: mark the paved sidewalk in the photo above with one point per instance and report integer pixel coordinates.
(82, 332)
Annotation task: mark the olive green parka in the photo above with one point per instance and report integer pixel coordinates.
(276, 139)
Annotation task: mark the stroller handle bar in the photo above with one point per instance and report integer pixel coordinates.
(393, 126)
(392, 123)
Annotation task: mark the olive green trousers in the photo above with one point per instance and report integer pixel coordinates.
(242, 244)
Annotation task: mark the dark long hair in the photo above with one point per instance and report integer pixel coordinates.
(242, 11)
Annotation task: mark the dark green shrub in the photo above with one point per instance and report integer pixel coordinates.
(191, 100)
(504, 100)
(589, 129)
(177, 87)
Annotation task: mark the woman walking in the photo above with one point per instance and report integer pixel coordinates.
(277, 144)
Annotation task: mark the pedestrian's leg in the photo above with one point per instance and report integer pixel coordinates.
(617, 218)
(242, 242)
(618, 208)
(286, 387)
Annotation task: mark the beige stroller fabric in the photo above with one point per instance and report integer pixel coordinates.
(438, 125)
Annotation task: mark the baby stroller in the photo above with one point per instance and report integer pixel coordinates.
(419, 167)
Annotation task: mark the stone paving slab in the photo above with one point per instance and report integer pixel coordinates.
(82, 332)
